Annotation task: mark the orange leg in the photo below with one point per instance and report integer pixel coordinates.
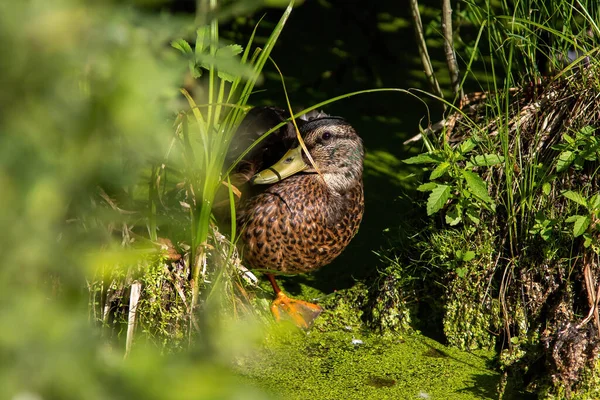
(302, 313)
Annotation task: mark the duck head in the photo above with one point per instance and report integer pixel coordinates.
(337, 152)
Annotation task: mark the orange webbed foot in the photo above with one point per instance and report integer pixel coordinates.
(301, 313)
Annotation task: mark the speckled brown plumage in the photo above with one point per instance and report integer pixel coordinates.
(306, 220)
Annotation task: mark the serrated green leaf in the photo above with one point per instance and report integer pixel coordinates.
(585, 132)
(426, 187)
(565, 159)
(439, 170)
(587, 240)
(477, 186)
(231, 50)
(425, 158)
(228, 62)
(487, 160)
(454, 215)
(568, 138)
(576, 197)
(573, 218)
(595, 202)
(183, 46)
(546, 188)
(437, 198)
(467, 146)
(581, 225)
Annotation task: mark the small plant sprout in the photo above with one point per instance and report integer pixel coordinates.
(585, 224)
(454, 181)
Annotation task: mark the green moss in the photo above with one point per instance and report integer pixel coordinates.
(349, 363)
(470, 313)
(342, 358)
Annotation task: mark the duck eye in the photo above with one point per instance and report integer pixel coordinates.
(326, 135)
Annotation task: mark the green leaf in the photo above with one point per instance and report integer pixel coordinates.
(231, 50)
(426, 187)
(202, 40)
(487, 160)
(227, 61)
(581, 225)
(186, 49)
(546, 188)
(587, 240)
(473, 217)
(454, 215)
(195, 70)
(568, 138)
(585, 132)
(437, 199)
(573, 218)
(467, 146)
(477, 186)
(461, 272)
(594, 202)
(465, 256)
(565, 159)
(183, 46)
(468, 256)
(425, 158)
(439, 170)
(576, 197)
(546, 234)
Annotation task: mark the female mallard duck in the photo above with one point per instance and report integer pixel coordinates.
(299, 215)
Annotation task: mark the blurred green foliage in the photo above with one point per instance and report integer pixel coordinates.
(86, 90)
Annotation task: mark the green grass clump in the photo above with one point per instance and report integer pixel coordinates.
(508, 254)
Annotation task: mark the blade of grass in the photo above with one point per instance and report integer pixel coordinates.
(308, 109)
(287, 100)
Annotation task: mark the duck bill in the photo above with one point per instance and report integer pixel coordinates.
(291, 163)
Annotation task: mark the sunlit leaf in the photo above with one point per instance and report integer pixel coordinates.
(568, 139)
(585, 132)
(426, 187)
(468, 255)
(454, 215)
(437, 199)
(477, 186)
(581, 225)
(576, 197)
(472, 216)
(425, 158)
(565, 159)
(467, 146)
(595, 202)
(546, 187)
(487, 160)
(182, 46)
(439, 170)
